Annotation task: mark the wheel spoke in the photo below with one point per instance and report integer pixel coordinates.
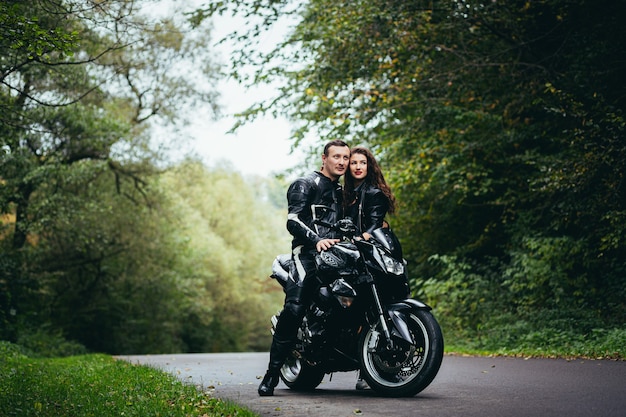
(398, 367)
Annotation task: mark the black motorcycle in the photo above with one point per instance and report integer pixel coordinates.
(362, 318)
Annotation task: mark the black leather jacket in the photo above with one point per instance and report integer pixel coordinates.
(309, 198)
(369, 209)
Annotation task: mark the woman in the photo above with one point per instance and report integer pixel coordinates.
(367, 196)
(367, 199)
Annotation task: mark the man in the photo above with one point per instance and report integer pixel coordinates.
(316, 196)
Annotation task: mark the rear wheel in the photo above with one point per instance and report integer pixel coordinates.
(405, 369)
(299, 375)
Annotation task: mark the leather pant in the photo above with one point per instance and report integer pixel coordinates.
(298, 295)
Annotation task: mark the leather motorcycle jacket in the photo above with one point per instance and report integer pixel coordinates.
(369, 209)
(312, 197)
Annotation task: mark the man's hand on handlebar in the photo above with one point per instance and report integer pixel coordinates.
(325, 244)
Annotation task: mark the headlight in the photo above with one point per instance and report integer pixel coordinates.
(343, 292)
(345, 302)
(392, 266)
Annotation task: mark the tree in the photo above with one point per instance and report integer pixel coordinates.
(69, 101)
(499, 125)
(187, 273)
(81, 84)
(232, 237)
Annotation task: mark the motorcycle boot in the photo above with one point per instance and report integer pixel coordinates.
(269, 382)
(278, 354)
(294, 309)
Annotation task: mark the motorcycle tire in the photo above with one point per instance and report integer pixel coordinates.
(409, 369)
(299, 375)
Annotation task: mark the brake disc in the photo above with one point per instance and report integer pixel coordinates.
(395, 361)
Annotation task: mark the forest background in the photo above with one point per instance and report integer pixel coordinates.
(499, 125)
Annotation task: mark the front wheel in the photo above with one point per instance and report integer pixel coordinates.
(403, 369)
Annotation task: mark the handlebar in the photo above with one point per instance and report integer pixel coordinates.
(348, 229)
(344, 226)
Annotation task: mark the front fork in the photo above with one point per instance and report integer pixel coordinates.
(381, 319)
(397, 315)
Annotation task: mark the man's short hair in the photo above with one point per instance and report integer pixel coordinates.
(336, 142)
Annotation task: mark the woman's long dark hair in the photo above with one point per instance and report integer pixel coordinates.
(374, 177)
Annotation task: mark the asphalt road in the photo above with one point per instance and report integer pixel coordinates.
(465, 386)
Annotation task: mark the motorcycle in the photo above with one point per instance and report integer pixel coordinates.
(362, 318)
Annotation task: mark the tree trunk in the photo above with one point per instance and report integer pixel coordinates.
(21, 216)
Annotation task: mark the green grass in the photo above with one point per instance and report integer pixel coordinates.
(547, 343)
(98, 386)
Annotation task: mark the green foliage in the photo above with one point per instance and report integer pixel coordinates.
(90, 248)
(540, 274)
(232, 237)
(46, 343)
(522, 339)
(486, 312)
(98, 385)
(83, 83)
(500, 127)
(176, 275)
(22, 32)
(10, 351)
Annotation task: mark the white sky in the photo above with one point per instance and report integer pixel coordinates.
(261, 147)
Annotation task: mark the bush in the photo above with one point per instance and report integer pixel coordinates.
(45, 343)
(478, 314)
(9, 350)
